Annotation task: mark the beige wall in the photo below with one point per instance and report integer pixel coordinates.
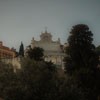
(15, 62)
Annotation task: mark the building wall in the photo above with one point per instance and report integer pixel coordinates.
(8, 56)
(47, 46)
(15, 62)
(6, 52)
(52, 49)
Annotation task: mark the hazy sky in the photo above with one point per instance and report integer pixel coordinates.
(20, 20)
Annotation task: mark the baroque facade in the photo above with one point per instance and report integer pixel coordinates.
(53, 50)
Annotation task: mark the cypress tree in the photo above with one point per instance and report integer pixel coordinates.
(21, 50)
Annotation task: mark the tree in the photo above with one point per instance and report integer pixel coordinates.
(82, 60)
(36, 53)
(34, 81)
(9, 83)
(21, 50)
(98, 50)
(38, 80)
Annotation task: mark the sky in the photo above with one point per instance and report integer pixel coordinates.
(21, 20)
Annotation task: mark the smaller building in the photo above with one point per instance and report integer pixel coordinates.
(6, 52)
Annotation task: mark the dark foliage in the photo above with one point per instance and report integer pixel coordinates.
(82, 61)
(21, 50)
(36, 53)
(35, 81)
(98, 50)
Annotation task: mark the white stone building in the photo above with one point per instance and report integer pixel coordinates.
(53, 50)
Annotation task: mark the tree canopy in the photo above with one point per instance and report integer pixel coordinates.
(35, 81)
(21, 50)
(82, 61)
(36, 53)
(98, 50)
(81, 51)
